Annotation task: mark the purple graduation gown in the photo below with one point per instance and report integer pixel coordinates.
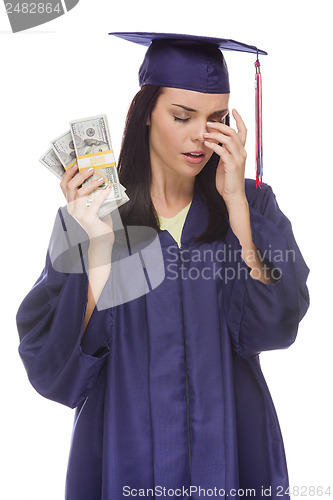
(167, 387)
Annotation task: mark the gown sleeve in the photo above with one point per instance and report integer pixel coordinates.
(262, 316)
(61, 365)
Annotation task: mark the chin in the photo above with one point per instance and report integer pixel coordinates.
(192, 170)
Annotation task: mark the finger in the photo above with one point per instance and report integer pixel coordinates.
(76, 181)
(82, 193)
(222, 127)
(232, 144)
(78, 207)
(242, 130)
(216, 136)
(80, 200)
(68, 175)
(229, 142)
(225, 130)
(79, 179)
(220, 150)
(90, 186)
(100, 197)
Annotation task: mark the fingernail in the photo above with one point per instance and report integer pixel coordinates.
(109, 186)
(90, 169)
(100, 179)
(74, 166)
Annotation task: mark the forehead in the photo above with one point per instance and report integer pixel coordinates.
(199, 101)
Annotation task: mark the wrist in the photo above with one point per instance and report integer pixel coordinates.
(239, 220)
(238, 212)
(236, 203)
(101, 242)
(99, 252)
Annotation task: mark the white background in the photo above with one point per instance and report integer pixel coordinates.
(70, 68)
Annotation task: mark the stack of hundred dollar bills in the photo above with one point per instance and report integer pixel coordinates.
(88, 144)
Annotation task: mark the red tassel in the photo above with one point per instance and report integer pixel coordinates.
(258, 112)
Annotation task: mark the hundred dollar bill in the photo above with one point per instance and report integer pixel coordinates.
(63, 147)
(52, 162)
(93, 148)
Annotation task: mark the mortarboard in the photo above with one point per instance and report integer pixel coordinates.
(194, 63)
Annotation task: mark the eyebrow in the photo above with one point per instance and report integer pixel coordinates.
(194, 110)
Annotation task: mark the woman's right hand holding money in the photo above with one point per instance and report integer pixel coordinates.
(98, 230)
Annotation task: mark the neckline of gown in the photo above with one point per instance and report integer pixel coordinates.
(195, 223)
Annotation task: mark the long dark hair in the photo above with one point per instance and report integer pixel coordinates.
(134, 170)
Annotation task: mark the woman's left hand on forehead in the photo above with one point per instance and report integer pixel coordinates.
(229, 145)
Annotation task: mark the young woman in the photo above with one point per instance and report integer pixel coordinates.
(169, 395)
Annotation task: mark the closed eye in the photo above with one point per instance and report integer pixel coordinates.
(181, 119)
(222, 120)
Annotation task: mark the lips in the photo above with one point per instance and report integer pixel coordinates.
(194, 157)
(195, 154)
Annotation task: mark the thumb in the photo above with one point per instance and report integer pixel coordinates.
(100, 197)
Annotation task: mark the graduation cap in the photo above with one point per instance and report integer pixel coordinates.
(195, 63)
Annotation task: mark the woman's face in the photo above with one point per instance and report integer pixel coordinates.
(178, 122)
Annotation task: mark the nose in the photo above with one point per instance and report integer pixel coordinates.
(199, 128)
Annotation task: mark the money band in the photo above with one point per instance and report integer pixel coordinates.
(102, 159)
(70, 165)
